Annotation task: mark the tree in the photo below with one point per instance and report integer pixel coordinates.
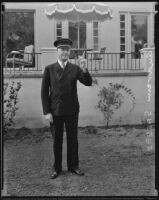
(111, 99)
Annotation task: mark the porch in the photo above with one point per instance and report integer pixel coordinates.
(96, 63)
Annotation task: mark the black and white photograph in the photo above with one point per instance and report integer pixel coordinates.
(78, 99)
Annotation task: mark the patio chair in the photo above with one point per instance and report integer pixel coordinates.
(21, 58)
(97, 56)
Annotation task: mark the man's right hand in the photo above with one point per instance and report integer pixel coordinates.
(49, 117)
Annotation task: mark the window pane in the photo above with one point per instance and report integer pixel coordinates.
(75, 29)
(122, 40)
(95, 25)
(59, 37)
(73, 34)
(95, 47)
(59, 32)
(82, 35)
(122, 47)
(122, 17)
(122, 32)
(58, 25)
(122, 55)
(18, 31)
(122, 24)
(95, 40)
(95, 32)
(138, 32)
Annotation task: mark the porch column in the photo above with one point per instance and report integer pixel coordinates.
(147, 59)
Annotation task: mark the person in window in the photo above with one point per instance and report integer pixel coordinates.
(136, 44)
(133, 40)
(61, 106)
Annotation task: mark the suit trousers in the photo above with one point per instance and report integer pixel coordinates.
(57, 128)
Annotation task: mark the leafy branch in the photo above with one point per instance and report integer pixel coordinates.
(111, 99)
(10, 101)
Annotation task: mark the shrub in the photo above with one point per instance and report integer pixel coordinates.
(111, 99)
(10, 95)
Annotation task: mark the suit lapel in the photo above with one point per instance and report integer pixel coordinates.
(66, 70)
(61, 73)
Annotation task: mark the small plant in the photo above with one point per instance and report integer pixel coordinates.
(10, 95)
(111, 99)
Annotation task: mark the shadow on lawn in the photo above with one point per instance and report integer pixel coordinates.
(41, 133)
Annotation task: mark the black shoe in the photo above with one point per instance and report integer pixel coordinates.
(77, 172)
(55, 175)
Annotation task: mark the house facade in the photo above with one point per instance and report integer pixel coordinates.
(132, 23)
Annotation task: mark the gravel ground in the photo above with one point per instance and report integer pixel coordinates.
(116, 162)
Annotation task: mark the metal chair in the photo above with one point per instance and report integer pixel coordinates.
(21, 58)
(98, 56)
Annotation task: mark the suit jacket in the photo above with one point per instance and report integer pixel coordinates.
(59, 88)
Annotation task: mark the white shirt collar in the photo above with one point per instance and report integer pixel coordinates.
(61, 64)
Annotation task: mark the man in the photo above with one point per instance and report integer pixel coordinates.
(61, 106)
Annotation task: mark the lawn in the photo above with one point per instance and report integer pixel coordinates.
(116, 162)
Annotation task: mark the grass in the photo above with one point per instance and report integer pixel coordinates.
(116, 162)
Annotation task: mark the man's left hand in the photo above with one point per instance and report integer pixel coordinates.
(83, 65)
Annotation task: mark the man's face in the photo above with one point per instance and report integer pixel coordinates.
(63, 53)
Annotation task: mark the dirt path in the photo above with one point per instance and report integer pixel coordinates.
(115, 162)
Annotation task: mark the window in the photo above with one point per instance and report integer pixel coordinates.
(58, 30)
(77, 33)
(95, 36)
(122, 36)
(138, 32)
(18, 31)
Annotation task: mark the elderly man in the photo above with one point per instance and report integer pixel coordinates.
(61, 106)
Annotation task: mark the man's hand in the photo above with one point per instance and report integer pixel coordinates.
(49, 117)
(83, 64)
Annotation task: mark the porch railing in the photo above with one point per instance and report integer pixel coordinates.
(22, 62)
(113, 61)
(95, 63)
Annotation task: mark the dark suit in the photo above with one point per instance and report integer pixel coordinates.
(59, 97)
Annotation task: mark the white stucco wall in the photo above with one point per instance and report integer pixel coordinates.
(30, 109)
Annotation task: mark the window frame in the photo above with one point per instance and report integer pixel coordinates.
(61, 28)
(124, 44)
(95, 36)
(129, 25)
(33, 11)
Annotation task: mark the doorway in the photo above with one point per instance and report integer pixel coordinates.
(77, 33)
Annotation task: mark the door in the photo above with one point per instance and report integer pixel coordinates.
(138, 33)
(77, 33)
